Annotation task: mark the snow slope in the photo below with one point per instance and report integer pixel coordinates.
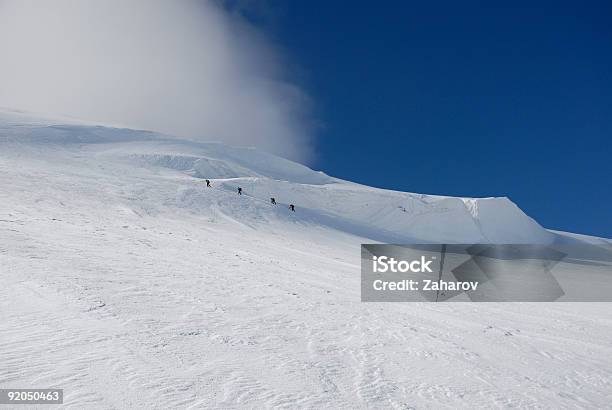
(131, 285)
(322, 200)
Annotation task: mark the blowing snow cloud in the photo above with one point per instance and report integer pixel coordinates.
(187, 68)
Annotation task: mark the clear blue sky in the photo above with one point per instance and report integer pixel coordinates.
(463, 98)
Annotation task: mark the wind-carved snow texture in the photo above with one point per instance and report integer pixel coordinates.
(129, 284)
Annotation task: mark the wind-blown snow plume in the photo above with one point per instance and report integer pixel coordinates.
(188, 68)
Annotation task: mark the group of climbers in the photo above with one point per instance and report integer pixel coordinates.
(272, 200)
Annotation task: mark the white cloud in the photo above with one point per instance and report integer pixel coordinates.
(186, 67)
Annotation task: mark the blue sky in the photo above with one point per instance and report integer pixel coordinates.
(462, 98)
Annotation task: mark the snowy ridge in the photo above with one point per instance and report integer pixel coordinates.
(410, 217)
(378, 213)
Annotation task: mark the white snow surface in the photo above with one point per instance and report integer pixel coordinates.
(129, 284)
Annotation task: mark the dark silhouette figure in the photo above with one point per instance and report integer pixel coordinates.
(208, 183)
(273, 200)
(292, 207)
(239, 191)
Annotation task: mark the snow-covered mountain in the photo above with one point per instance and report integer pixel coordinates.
(129, 283)
(323, 201)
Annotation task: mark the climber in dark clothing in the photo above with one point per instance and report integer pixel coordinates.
(239, 191)
(273, 200)
(292, 207)
(207, 183)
